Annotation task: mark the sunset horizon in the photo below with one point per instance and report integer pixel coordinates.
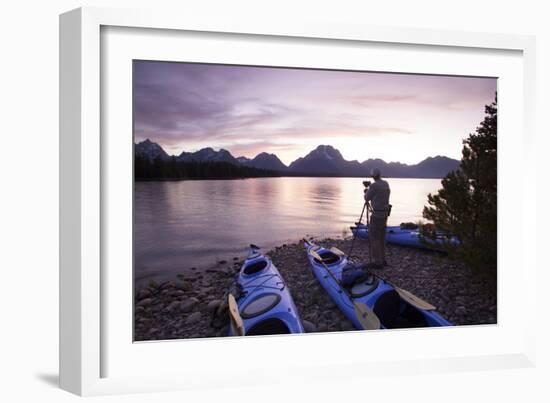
(289, 112)
(217, 149)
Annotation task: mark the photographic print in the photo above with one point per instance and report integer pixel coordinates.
(271, 200)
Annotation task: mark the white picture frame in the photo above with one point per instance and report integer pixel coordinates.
(86, 310)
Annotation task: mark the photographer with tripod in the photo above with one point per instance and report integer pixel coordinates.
(377, 199)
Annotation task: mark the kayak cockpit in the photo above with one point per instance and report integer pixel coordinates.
(255, 267)
(394, 313)
(329, 258)
(268, 326)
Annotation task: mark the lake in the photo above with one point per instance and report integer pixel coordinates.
(184, 224)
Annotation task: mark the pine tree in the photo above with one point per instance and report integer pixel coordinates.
(466, 205)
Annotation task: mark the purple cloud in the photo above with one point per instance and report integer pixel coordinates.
(186, 106)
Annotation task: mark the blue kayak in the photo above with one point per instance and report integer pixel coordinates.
(382, 298)
(405, 237)
(264, 301)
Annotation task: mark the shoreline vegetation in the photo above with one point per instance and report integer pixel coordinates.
(160, 170)
(193, 303)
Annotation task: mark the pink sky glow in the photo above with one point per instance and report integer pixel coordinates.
(289, 112)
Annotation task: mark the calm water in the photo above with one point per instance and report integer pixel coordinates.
(183, 224)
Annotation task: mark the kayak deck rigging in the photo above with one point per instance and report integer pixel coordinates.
(251, 286)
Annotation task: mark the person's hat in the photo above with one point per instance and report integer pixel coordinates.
(375, 172)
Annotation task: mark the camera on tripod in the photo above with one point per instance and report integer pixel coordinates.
(366, 184)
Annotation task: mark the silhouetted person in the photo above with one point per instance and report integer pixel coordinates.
(378, 195)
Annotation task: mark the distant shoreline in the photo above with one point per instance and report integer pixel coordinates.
(151, 161)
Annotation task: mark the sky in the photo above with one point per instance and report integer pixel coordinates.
(289, 112)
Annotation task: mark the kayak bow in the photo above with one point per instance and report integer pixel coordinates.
(264, 304)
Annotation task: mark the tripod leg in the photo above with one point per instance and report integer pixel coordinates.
(358, 223)
(369, 238)
(386, 248)
(361, 216)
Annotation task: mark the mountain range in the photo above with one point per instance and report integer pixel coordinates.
(324, 160)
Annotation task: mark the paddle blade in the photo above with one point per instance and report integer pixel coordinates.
(414, 300)
(337, 251)
(235, 319)
(366, 316)
(315, 255)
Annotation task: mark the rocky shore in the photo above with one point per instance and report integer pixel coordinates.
(193, 305)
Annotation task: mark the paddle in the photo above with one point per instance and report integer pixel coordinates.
(337, 251)
(411, 298)
(366, 317)
(404, 294)
(235, 320)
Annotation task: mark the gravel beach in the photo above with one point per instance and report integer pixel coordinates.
(192, 305)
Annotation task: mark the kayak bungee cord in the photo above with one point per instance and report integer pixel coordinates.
(247, 291)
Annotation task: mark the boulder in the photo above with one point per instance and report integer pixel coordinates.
(185, 285)
(144, 293)
(172, 306)
(322, 327)
(145, 302)
(189, 304)
(309, 327)
(346, 325)
(153, 285)
(193, 318)
(460, 311)
(214, 305)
